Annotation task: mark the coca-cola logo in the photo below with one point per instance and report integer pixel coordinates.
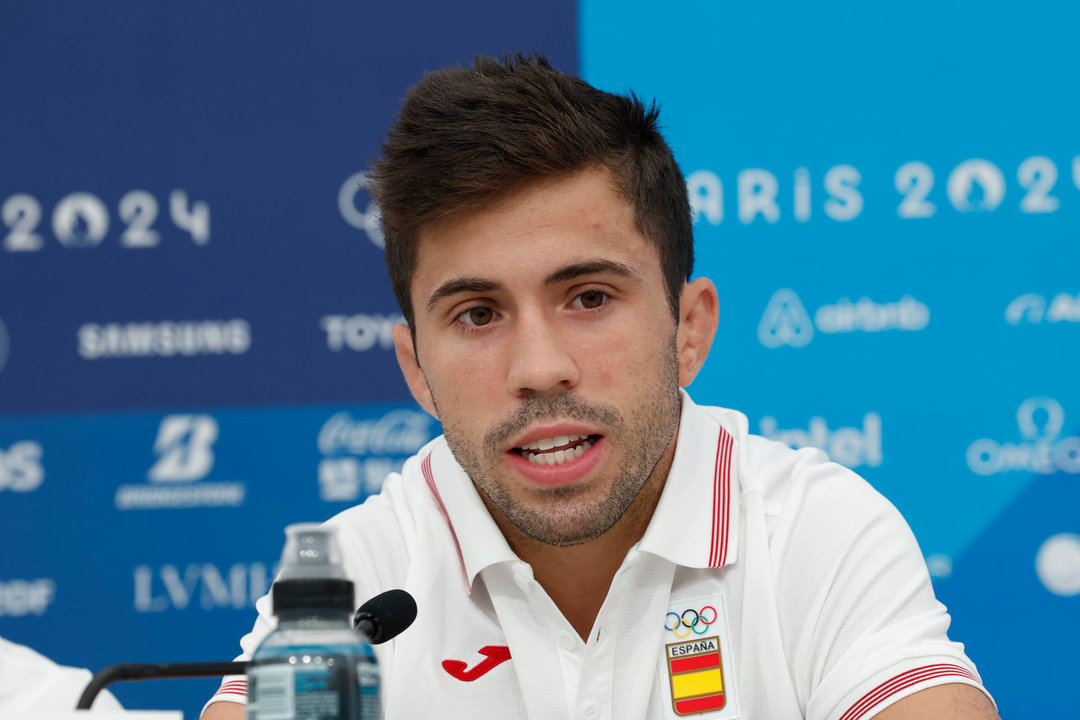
(399, 432)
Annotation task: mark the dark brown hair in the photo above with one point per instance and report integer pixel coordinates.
(464, 136)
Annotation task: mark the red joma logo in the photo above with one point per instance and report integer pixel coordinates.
(495, 655)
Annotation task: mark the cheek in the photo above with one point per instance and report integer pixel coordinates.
(466, 379)
(624, 355)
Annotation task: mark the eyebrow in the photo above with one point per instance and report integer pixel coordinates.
(461, 285)
(560, 275)
(592, 267)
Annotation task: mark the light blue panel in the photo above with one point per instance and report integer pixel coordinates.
(888, 202)
(847, 99)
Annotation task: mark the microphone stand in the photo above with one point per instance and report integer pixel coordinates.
(151, 671)
(381, 618)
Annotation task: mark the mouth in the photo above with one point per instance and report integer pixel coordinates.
(556, 450)
(561, 453)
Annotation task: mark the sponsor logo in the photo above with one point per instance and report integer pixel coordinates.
(1058, 564)
(939, 565)
(787, 322)
(494, 655)
(360, 332)
(184, 447)
(865, 315)
(850, 446)
(20, 467)
(352, 190)
(5, 344)
(1033, 309)
(185, 455)
(164, 339)
(359, 454)
(19, 598)
(1042, 448)
(199, 585)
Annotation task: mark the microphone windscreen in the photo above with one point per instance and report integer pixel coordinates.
(386, 615)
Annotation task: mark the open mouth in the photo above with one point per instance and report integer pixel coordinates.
(556, 450)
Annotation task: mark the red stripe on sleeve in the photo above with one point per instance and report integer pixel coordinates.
(233, 687)
(902, 682)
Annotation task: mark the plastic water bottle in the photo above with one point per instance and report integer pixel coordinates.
(314, 666)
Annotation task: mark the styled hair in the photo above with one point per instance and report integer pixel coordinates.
(465, 136)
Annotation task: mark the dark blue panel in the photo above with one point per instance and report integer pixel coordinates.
(142, 511)
(262, 111)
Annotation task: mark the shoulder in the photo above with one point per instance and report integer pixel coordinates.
(797, 481)
(801, 485)
(380, 536)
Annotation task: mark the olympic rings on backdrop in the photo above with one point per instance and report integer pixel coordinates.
(694, 621)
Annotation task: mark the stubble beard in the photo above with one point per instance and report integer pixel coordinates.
(563, 516)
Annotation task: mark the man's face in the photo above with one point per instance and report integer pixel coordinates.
(548, 349)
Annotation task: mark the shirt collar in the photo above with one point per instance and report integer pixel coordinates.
(479, 540)
(695, 523)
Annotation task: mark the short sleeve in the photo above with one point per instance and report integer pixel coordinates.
(862, 627)
(234, 687)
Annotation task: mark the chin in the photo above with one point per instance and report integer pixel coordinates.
(565, 529)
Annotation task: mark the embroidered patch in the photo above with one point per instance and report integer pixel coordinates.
(697, 649)
(697, 676)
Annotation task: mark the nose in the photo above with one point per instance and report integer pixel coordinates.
(541, 359)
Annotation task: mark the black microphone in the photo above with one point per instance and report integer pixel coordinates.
(385, 616)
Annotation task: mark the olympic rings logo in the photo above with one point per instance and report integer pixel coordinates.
(694, 621)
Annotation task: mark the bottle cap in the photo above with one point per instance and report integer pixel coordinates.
(312, 576)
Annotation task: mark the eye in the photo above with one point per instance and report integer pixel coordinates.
(476, 316)
(591, 299)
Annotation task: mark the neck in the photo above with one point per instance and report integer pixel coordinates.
(577, 577)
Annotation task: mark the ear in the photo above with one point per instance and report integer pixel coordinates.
(698, 315)
(410, 368)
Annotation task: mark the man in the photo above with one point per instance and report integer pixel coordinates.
(585, 541)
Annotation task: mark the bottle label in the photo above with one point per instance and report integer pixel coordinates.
(319, 687)
(272, 692)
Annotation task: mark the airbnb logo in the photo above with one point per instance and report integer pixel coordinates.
(496, 655)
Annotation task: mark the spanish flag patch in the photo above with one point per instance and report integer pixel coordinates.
(697, 676)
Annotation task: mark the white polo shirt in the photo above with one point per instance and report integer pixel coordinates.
(770, 583)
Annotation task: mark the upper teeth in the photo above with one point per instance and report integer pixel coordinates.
(558, 457)
(552, 442)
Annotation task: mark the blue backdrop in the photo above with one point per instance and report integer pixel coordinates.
(194, 315)
(888, 199)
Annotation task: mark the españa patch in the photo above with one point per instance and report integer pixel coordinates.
(697, 677)
(696, 642)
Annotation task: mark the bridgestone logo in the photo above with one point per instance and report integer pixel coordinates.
(135, 497)
(164, 339)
